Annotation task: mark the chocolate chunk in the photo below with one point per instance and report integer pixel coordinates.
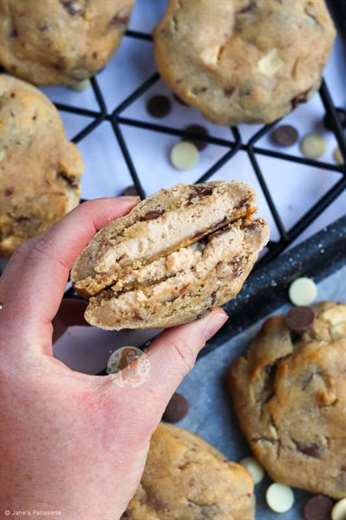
(301, 98)
(229, 91)
(159, 106)
(318, 507)
(299, 319)
(154, 214)
(251, 6)
(198, 130)
(285, 136)
(311, 450)
(119, 19)
(9, 192)
(203, 191)
(130, 191)
(177, 409)
(199, 90)
(328, 120)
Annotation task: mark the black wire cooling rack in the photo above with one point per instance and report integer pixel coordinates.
(232, 146)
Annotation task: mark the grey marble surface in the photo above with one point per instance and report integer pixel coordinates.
(211, 415)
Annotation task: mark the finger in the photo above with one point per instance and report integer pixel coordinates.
(70, 314)
(169, 358)
(174, 353)
(33, 284)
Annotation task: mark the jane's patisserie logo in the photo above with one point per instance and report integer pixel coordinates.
(130, 365)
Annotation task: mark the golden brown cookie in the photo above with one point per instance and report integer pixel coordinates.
(244, 61)
(187, 479)
(39, 169)
(289, 393)
(60, 41)
(175, 256)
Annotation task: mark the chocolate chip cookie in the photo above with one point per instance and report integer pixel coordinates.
(60, 41)
(289, 393)
(185, 478)
(244, 61)
(39, 169)
(175, 256)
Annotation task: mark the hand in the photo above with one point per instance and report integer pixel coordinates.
(69, 442)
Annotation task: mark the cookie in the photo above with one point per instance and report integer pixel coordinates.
(39, 169)
(60, 41)
(186, 478)
(244, 61)
(175, 256)
(289, 394)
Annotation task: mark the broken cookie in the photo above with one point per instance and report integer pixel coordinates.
(174, 257)
(289, 393)
(186, 478)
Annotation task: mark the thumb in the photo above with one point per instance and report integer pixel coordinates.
(173, 354)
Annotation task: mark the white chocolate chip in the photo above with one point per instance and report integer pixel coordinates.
(184, 156)
(302, 291)
(338, 158)
(313, 146)
(339, 510)
(270, 63)
(2, 154)
(82, 85)
(256, 471)
(280, 498)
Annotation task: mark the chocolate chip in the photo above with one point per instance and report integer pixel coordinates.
(153, 214)
(310, 450)
(130, 191)
(299, 319)
(328, 120)
(198, 130)
(229, 91)
(285, 135)
(318, 507)
(159, 106)
(177, 409)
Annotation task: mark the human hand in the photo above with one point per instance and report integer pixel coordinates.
(72, 443)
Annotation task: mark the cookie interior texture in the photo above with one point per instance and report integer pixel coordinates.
(40, 170)
(186, 478)
(243, 61)
(60, 41)
(176, 255)
(289, 394)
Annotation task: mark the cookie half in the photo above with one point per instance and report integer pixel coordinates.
(244, 61)
(289, 394)
(40, 169)
(176, 255)
(186, 478)
(60, 41)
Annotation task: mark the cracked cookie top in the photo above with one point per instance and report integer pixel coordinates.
(60, 41)
(40, 169)
(289, 393)
(186, 478)
(243, 61)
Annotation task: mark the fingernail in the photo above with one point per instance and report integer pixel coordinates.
(130, 198)
(214, 321)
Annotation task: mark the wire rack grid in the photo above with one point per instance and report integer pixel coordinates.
(231, 146)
